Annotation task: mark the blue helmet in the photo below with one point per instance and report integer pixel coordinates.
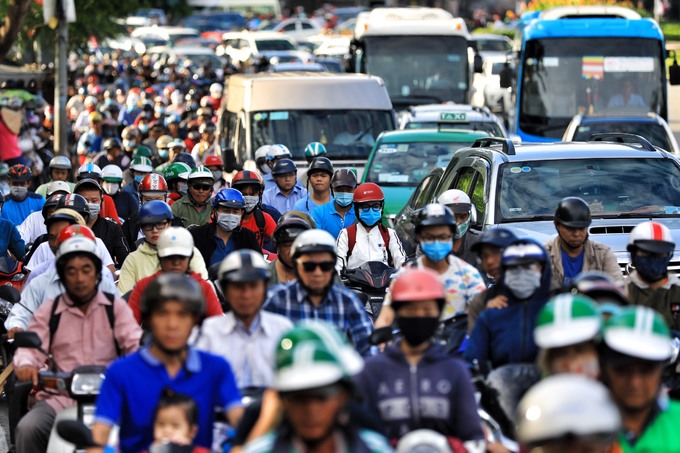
(496, 237)
(185, 158)
(314, 150)
(154, 211)
(230, 198)
(523, 251)
(283, 166)
(174, 118)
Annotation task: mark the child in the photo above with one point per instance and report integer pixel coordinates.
(175, 422)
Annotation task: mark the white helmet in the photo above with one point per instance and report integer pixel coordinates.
(424, 440)
(278, 150)
(312, 241)
(90, 101)
(261, 157)
(77, 244)
(57, 186)
(566, 405)
(456, 200)
(175, 241)
(243, 266)
(652, 237)
(61, 162)
(112, 173)
(89, 171)
(216, 90)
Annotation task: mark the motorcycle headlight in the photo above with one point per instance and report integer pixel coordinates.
(86, 383)
(18, 277)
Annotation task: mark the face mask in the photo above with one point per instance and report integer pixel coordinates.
(163, 153)
(651, 268)
(344, 199)
(130, 107)
(228, 222)
(159, 110)
(461, 229)
(143, 128)
(111, 188)
(522, 283)
(182, 188)
(138, 179)
(436, 250)
(251, 202)
(128, 144)
(94, 209)
(264, 169)
(371, 217)
(417, 330)
(5, 189)
(19, 192)
(217, 175)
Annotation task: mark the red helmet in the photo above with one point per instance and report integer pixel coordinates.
(368, 192)
(75, 231)
(207, 101)
(213, 161)
(153, 182)
(246, 177)
(19, 173)
(416, 286)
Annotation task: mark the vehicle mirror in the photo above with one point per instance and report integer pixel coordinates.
(381, 335)
(674, 72)
(27, 339)
(77, 433)
(478, 62)
(10, 294)
(229, 159)
(506, 76)
(473, 215)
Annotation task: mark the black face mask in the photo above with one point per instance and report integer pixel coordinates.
(651, 268)
(417, 330)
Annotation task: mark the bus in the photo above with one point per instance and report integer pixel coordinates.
(424, 55)
(585, 60)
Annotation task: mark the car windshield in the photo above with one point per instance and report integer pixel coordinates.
(493, 45)
(489, 127)
(274, 44)
(201, 60)
(348, 134)
(654, 132)
(530, 190)
(563, 77)
(406, 164)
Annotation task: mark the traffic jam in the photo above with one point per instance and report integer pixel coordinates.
(384, 229)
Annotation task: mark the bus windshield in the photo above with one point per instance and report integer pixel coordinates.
(563, 77)
(420, 69)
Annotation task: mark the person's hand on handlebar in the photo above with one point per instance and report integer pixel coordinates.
(27, 373)
(12, 331)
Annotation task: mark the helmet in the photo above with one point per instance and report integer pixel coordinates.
(76, 246)
(229, 198)
(435, 214)
(243, 266)
(216, 88)
(283, 166)
(177, 170)
(207, 127)
(154, 211)
(51, 202)
(130, 132)
(175, 241)
(76, 202)
(456, 200)
(142, 165)
(73, 231)
(90, 101)
(173, 286)
(566, 406)
(247, 177)
(424, 440)
(416, 285)
(304, 216)
(367, 192)
(142, 151)
(652, 237)
(57, 186)
(278, 150)
(94, 117)
(177, 143)
(112, 173)
(573, 212)
(213, 161)
(565, 320)
(187, 159)
(496, 237)
(320, 164)
(523, 251)
(85, 183)
(89, 171)
(163, 142)
(201, 173)
(602, 292)
(639, 332)
(64, 214)
(153, 182)
(19, 173)
(61, 162)
(344, 177)
(313, 241)
(261, 154)
(289, 229)
(174, 118)
(111, 143)
(313, 150)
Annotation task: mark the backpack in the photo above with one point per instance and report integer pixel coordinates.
(352, 240)
(265, 242)
(56, 317)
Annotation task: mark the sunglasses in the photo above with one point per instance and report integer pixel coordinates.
(326, 266)
(151, 226)
(201, 187)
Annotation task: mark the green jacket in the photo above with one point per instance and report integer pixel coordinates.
(665, 299)
(661, 436)
(186, 211)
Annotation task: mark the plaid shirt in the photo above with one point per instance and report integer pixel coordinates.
(340, 308)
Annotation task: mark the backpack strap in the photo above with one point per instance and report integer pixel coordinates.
(112, 321)
(54, 321)
(385, 233)
(259, 221)
(351, 239)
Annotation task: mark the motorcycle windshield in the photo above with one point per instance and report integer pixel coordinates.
(372, 274)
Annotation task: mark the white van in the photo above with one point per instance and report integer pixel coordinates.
(345, 112)
(245, 7)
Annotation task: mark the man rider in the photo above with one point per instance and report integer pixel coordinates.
(193, 208)
(10, 238)
(319, 175)
(287, 190)
(177, 175)
(21, 202)
(34, 225)
(258, 218)
(459, 202)
(59, 168)
(339, 212)
(283, 268)
(126, 203)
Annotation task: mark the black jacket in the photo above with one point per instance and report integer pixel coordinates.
(204, 240)
(112, 236)
(131, 230)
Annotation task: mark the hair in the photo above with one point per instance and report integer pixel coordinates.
(171, 399)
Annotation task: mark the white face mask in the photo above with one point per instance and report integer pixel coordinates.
(111, 188)
(182, 188)
(19, 192)
(94, 209)
(217, 175)
(228, 222)
(523, 283)
(251, 202)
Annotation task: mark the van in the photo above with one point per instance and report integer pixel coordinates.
(345, 112)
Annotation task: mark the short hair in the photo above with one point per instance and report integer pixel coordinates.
(171, 399)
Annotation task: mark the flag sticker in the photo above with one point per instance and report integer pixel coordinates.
(593, 68)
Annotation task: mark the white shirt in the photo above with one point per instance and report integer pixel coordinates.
(32, 227)
(44, 253)
(369, 247)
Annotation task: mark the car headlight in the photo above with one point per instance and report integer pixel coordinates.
(86, 383)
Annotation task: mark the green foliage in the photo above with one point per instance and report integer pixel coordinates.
(671, 30)
(510, 33)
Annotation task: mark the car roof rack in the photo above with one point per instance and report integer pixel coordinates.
(621, 137)
(508, 145)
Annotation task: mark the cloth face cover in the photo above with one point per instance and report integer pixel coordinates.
(523, 283)
(344, 199)
(436, 250)
(371, 217)
(251, 202)
(94, 209)
(182, 188)
(111, 188)
(228, 222)
(461, 229)
(651, 268)
(19, 192)
(417, 330)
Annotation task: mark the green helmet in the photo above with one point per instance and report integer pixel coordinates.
(639, 332)
(142, 151)
(177, 170)
(201, 172)
(141, 164)
(4, 169)
(565, 320)
(336, 342)
(314, 149)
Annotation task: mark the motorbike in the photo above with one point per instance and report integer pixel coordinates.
(12, 272)
(370, 281)
(9, 296)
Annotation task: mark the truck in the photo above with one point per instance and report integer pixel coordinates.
(585, 60)
(424, 55)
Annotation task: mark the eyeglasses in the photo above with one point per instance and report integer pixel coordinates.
(368, 207)
(200, 187)
(326, 266)
(150, 226)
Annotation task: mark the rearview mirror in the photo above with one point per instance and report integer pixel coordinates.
(27, 339)
(506, 76)
(478, 62)
(229, 159)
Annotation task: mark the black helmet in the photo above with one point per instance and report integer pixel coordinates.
(344, 177)
(76, 202)
(497, 237)
(173, 286)
(288, 229)
(186, 158)
(284, 166)
(435, 214)
(50, 203)
(111, 143)
(298, 215)
(573, 212)
(321, 164)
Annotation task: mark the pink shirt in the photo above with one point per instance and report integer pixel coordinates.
(9, 143)
(81, 338)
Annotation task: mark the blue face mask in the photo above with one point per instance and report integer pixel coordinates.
(371, 217)
(436, 250)
(143, 128)
(163, 153)
(138, 179)
(344, 199)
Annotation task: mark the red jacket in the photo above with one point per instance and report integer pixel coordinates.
(212, 304)
(109, 209)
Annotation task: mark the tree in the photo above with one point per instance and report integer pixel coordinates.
(15, 14)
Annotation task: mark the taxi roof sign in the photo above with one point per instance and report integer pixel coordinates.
(451, 117)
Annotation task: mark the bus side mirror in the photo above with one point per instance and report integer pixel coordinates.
(674, 70)
(478, 62)
(229, 159)
(506, 76)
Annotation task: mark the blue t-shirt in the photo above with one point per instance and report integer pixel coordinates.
(329, 219)
(222, 250)
(134, 385)
(572, 266)
(307, 204)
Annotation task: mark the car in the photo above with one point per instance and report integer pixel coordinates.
(458, 116)
(163, 36)
(487, 84)
(518, 186)
(216, 20)
(297, 28)
(297, 67)
(401, 159)
(241, 47)
(651, 126)
(491, 45)
(333, 47)
(199, 56)
(147, 17)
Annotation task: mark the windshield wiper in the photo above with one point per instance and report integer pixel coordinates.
(534, 218)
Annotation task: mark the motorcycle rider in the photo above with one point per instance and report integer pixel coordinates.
(636, 349)
(319, 174)
(339, 212)
(110, 154)
(192, 208)
(139, 168)
(171, 307)
(461, 206)
(312, 151)
(274, 153)
(59, 169)
(314, 294)
(287, 190)
(284, 235)
(34, 225)
(368, 239)
(246, 336)
(21, 202)
(651, 247)
(10, 238)
(572, 251)
(216, 166)
(132, 138)
(126, 203)
(259, 218)
(395, 383)
(208, 146)
(88, 333)
(177, 175)
(152, 187)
